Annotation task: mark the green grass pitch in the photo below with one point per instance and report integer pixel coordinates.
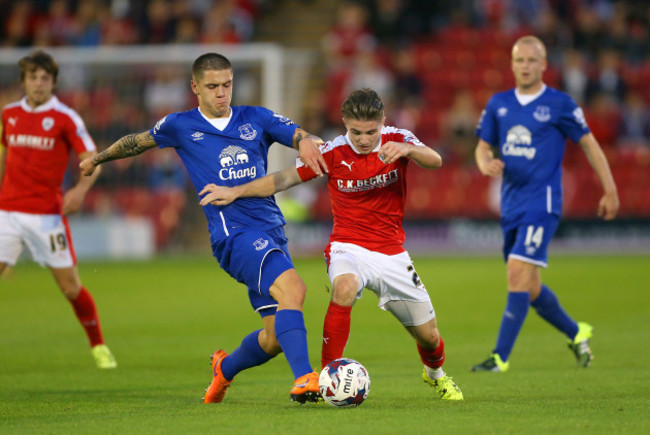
(163, 318)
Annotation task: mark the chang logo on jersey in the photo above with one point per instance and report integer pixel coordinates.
(29, 141)
(231, 157)
(516, 137)
(376, 182)
(247, 132)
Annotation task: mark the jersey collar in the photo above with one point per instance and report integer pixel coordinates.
(48, 105)
(349, 141)
(218, 123)
(526, 99)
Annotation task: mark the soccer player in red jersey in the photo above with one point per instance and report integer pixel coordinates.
(367, 187)
(38, 134)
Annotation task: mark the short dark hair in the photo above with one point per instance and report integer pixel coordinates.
(210, 61)
(363, 105)
(38, 59)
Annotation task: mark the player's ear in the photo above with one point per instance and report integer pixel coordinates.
(193, 86)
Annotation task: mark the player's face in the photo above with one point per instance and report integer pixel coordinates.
(38, 85)
(365, 135)
(214, 91)
(528, 65)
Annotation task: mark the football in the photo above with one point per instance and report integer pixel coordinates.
(344, 383)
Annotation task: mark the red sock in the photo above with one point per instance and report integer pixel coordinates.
(84, 308)
(336, 332)
(433, 358)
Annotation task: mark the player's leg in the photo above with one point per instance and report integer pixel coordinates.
(289, 290)
(10, 241)
(419, 320)
(256, 348)
(83, 304)
(48, 239)
(549, 308)
(336, 326)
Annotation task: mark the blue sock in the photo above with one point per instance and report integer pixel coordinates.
(549, 309)
(248, 354)
(511, 323)
(292, 335)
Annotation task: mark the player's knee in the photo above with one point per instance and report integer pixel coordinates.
(427, 335)
(522, 276)
(345, 289)
(289, 290)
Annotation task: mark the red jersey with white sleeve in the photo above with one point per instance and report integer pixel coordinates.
(38, 143)
(367, 195)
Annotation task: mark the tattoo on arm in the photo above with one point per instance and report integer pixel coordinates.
(128, 146)
(297, 138)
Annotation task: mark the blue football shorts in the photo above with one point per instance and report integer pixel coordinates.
(255, 258)
(527, 238)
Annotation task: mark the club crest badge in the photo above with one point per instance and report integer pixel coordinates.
(260, 244)
(247, 132)
(542, 113)
(47, 123)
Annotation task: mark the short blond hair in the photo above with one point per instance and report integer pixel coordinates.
(533, 40)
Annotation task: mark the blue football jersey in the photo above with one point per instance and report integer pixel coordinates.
(530, 140)
(234, 156)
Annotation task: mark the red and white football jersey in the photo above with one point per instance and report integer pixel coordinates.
(367, 195)
(38, 143)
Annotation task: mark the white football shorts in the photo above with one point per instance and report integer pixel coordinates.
(391, 277)
(47, 237)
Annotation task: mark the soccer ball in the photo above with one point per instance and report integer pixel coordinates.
(344, 383)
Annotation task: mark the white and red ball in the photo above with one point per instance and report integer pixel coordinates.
(344, 383)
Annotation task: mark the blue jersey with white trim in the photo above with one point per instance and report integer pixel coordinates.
(530, 140)
(234, 156)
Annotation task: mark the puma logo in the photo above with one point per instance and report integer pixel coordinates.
(349, 165)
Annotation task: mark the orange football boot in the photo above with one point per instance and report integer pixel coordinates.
(217, 388)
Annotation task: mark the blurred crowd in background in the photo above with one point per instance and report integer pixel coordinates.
(435, 63)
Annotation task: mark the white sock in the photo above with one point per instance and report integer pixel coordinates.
(435, 374)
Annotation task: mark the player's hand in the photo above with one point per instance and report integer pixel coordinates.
(72, 201)
(87, 166)
(310, 155)
(391, 152)
(492, 168)
(217, 195)
(608, 206)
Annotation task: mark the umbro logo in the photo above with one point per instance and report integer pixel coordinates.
(349, 165)
(197, 135)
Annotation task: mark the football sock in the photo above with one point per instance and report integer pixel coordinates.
(549, 308)
(433, 359)
(292, 335)
(84, 308)
(248, 354)
(336, 331)
(511, 323)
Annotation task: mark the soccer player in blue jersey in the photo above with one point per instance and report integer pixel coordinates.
(522, 134)
(228, 145)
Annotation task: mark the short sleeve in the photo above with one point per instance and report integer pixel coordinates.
(572, 121)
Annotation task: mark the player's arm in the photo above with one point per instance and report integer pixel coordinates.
(609, 203)
(489, 165)
(260, 188)
(309, 151)
(127, 146)
(422, 155)
(74, 197)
